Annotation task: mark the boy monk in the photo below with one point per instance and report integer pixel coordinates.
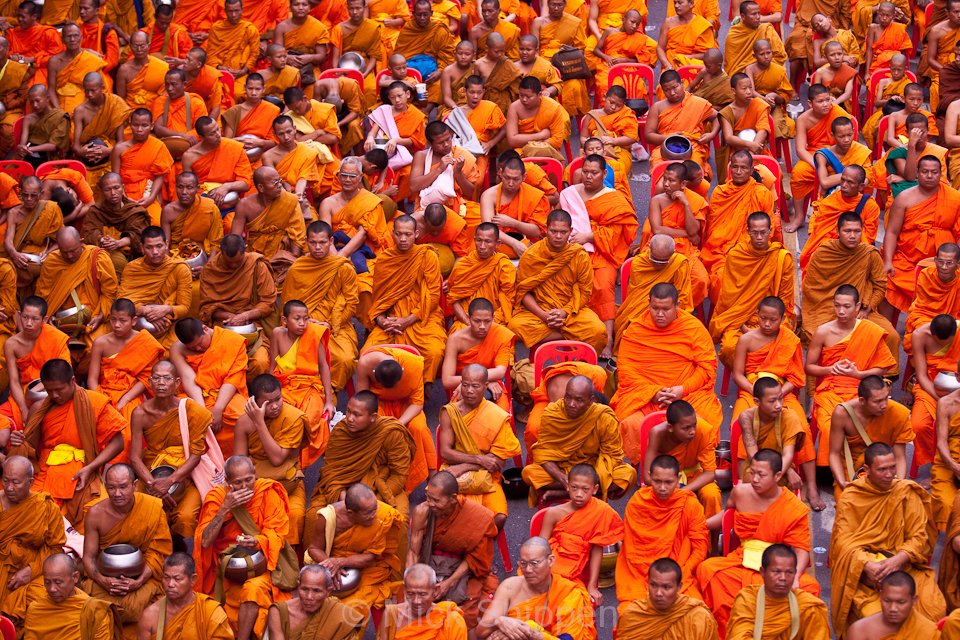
(837, 75)
(579, 529)
(485, 342)
(886, 38)
(144, 164)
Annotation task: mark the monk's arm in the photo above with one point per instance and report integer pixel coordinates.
(933, 46)
(826, 179)
(714, 128)
(745, 419)
(276, 454)
(909, 171)
(147, 627)
(656, 221)
(740, 366)
(91, 549)
(420, 180)
(459, 462)
(9, 238)
(890, 140)
(920, 360)
(53, 68)
(811, 368)
(800, 140)
(652, 131)
(15, 385)
(446, 91)
(495, 615)
(838, 435)
(891, 234)
(113, 448)
(93, 369)
(187, 374)
(947, 407)
(448, 371)
(593, 24)
(662, 47)
(418, 530)
(871, 38)
(598, 50)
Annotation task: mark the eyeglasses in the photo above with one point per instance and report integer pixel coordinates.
(162, 378)
(662, 263)
(531, 564)
(348, 175)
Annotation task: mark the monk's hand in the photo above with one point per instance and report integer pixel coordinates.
(888, 268)
(20, 578)
(237, 498)
(219, 194)
(94, 322)
(16, 435)
(679, 196)
(108, 243)
(793, 480)
(495, 390)
(514, 629)
(217, 422)
(504, 221)
(160, 487)
(247, 542)
(596, 598)
(489, 462)
(391, 147)
(872, 573)
(254, 411)
(19, 260)
(83, 476)
(329, 408)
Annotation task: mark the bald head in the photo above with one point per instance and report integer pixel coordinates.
(164, 367)
(69, 236)
(139, 37)
(59, 562)
(264, 175)
(396, 59)
(632, 13)
(93, 79)
(713, 56)
(528, 39)
(419, 574)
(760, 44)
(579, 385)
(537, 543)
(898, 59)
(662, 247)
(466, 45)
(475, 373)
(17, 466)
(495, 40)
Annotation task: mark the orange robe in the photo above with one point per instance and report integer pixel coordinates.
(738, 46)
(686, 619)
(820, 135)
(776, 616)
(596, 524)
(933, 296)
(49, 345)
(201, 224)
(564, 609)
(143, 88)
(613, 222)
(132, 364)
(893, 427)
(70, 78)
(444, 621)
(597, 375)
(529, 205)
(143, 162)
(823, 222)
(551, 115)
(227, 163)
(783, 358)
(303, 388)
(637, 46)
(486, 120)
(493, 279)
(179, 117)
(92, 37)
(643, 276)
(195, 15)
(204, 616)
(175, 40)
(368, 40)
(169, 283)
(209, 85)
(673, 216)
(495, 350)
(621, 123)
(234, 46)
(694, 37)
(40, 42)
(726, 223)
(892, 40)
(79, 616)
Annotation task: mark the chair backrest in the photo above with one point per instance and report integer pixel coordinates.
(561, 351)
(872, 83)
(943, 620)
(928, 14)
(536, 522)
(336, 72)
(7, 630)
(657, 172)
(17, 130)
(881, 134)
(633, 76)
(16, 169)
(730, 539)
(649, 422)
(52, 165)
(552, 167)
(574, 166)
(736, 434)
(228, 82)
(688, 72)
(625, 277)
(411, 73)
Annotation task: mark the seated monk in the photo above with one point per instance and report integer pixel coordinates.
(491, 22)
(317, 126)
(453, 78)
(373, 38)
(206, 81)
(191, 220)
(396, 376)
(170, 41)
(144, 164)
(31, 527)
(753, 270)
(131, 518)
(825, 31)
(712, 83)
(271, 432)
(770, 82)
(297, 163)
(115, 223)
(871, 417)
(249, 513)
(841, 353)
(764, 512)
(688, 439)
(424, 36)
(658, 262)
(120, 361)
(360, 532)
(67, 71)
(140, 78)
(575, 430)
(98, 124)
(212, 366)
(753, 26)
(157, 439)
(69, 189)
(518, 209)
(577, 527)
(937, 290)
(935, 349)
(404, 305)
(897, 125)
(31, 229)
(221, 164)
(681, 113)
(313, 612)
(501, 77)
(31, 42)
(364, 447)
(401, 124)
(97, 37)
(662, 520)
(279, 76)
(616, 125)
(300, 359)
(539, 599)
(684, 38)
(175, 114)
(942, 473)
(238, 288)
(482, 341)
(531, 64)
(746, 111)
(327, 286)
(347, 98)
(306, 40)
(445, 173)
(159, 285)
(665, 612)
(848, 196)
(554, 285)
(454, 536)
(13, 92)
(536, 126)
(418, 613)
(776, 607)
(626, 44)
(666, 355)
(251, 121)
(182, 611)
(616, 175)
(46, 130)
(899, 167)
(898, 616)
(64, 278)
(883, 524)
(889, 93)
(64, 610)
(885, 39)
(553, 384)
(72, 419)
(836, 75)
(483, 273)
(233, 44)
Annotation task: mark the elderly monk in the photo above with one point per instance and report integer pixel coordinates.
(364, 447)
(221, 164)
(31, 228)
(238, 288)
(313, 612)
(360, 532)
(883, 524)
(518, 209)
(71, 435)
(182, 611)
(554, 285)
(665, 612)
(33, 43)
(205, 81)
(67, 71)
(474, 439)
(482, 273)
(234, 43)
(115, 223)
(16, 79)
(666, 355)
(454, 536)
(144, 164)
(753, 270)
(501, 76)
(140, 78)
(31, 528)
(662, 521)
(776, 607)
(921, 219)
(327, 286)
(396, 376)
(768, 513)
(175, 114)
(271, 432)
(898, 614)
(67, 276)
(684, 37)
(539, 599)
(418, 614)
(937, 291)
(368, 36)
(424, 36)
(739, 41)
(536, 126)
(481, 341)
(249, 513)
(305, 39)
(848, 196)
(841, 353)
(405, 300)
(132, 518)
(212, 365)
(120, 361)
(575, 430)
(46, 129)
(65, 611)
(935, 349)
(98, 124)
(157, 439)
(190, 221)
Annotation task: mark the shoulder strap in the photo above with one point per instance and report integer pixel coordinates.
(761, 610)
(245, 520)
(284, 613)
(862, 204)
(858, 425)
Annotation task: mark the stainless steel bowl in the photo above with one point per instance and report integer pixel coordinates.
(32, 257)
(608, 565)
(71, 315)
(121, 560)
(165, 471)
(230, 199)
(946, 382)
(35, 391)
(352, 60)
(198, 260)
(144, 324)
(676, 147)
(349, 581)
(242, 329)
(748, 134)
(239, 571)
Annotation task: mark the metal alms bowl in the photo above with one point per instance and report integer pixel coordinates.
(73, 315)
(32, 257)
(144, 324)
(349, 581)
(121, 560)
(513, 485)
(238, 570)
(35, 391)
(748, 134)
(676, 147)
(946, 382)
(198, 260)
(165, 471)
(248, 331)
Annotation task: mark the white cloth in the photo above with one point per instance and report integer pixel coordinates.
(443, 187)
(464, 135)
(572, 203)
(382, 116)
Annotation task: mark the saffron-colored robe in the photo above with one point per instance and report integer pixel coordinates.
(444, 621)
(79, 616)
(820, 135)
(303, 389)
(686, 118)
(695, 37)
(234, 46)
(70, 79)
(686, 619)
(564, 609)
(202, 619)
(30, 532)
(177, 115)
(227, 163)
(643, 276)
(823, 222)
(613, 222)
(551, 115)
(209, 85)
(435, 40)
(777, 619)
(574, 536)
(49, 345)
(738, 46)
(201, 224)
(726, 222)
(495, 350)
(132, 364)
(144, 88)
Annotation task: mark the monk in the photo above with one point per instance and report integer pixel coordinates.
(98, 124)
(97, 37)
(936, 290)
(559, 29)
(368, 36)
(888, 91)
(136, 519)
(191, 221)
(182, 610)
(500, 75)
(771, 83)
(886, 38)
(67, 70)
(745, 112)
(424, 36)
(898, 615)
(221, 164)
(899, 167)
(837, 75)
(115, 223)
(212, 364)
(896, 123)
(317, 126)
(941, 39)
(684, 38)
(251, 513)
(553, 384)
(298, 163)
(160, 435)
(532, 64)
(66, 276)
(347, 96)
(234, 43)
(99, 431)
(405, 299)
(666, 612)
(313, 612)
(482, 273)
(251, 121)
(169, 40)
(711, 83)
(66, 611)
(306, 40)
(491, 22)
(454, 536)
(536, 126)
(175, 114)
(144, 164)
(776, 606)
(483, 341)
(515, 207)
(934, 350)
(279, 76)
(825, 30)
(768, 513)
(739, 42)
(205, 81)
(31, 229)
(848, 196)
(13, 93)
(31, 527)
(666, 355)
(32, 42)
(454, 76)
(625, 44)
(418, 613)
(883, 524)
(539, 597)
(46, 130)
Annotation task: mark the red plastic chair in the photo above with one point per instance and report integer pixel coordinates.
(649, 422)
(7, 630)
(788, 9)
(561, 351)
(411, 73)
(942, 620)
(657, 172)
(53, 165)
(552, 167)
(228, 82)
(736, 434)
(689, 71)
(16, 169)
(728, 538)
(632, 75)
(872, 83)
(337, 72)
(780, 147)
(881, 134)
(536, 522)
(17, 130)
(625, 277)
(574, 166)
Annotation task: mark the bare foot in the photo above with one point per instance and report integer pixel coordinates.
(607, 352)
(813, 497)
